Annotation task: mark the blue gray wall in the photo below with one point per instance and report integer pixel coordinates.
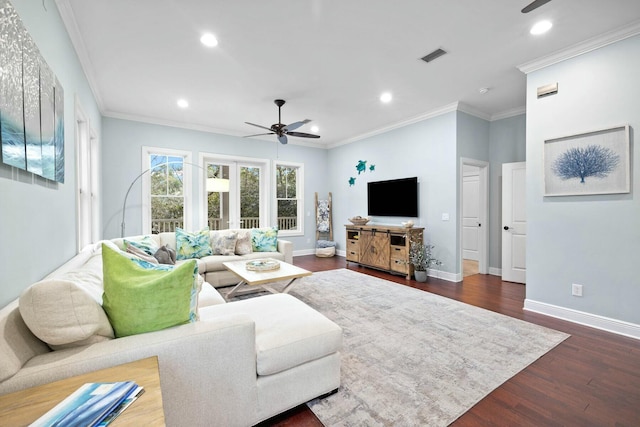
(37, 217)
(589, 240)
(426, 149)
(508, 145)
(122, 162)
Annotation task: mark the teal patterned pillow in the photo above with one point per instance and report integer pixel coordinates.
(146, 244)
(193, 245)
(264, 239)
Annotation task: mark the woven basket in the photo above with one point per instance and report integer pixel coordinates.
(325, 252)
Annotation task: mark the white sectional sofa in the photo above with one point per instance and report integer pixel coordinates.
(241, 363)
(210, 267)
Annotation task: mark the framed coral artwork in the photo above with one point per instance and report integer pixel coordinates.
(589, 163)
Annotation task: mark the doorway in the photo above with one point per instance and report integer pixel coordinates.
(473, 216)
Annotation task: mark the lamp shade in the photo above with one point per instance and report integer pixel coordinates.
(217, 185)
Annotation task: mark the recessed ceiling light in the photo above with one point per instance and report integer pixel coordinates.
(483, 90)
(209, 40)
(315, 129)
(183, 103)
(386, 97)
(541, 27)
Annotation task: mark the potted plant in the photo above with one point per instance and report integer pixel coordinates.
(421, 257)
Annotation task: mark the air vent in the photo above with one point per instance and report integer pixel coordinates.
(433, 55)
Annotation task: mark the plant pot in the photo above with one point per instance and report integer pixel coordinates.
(421, 276)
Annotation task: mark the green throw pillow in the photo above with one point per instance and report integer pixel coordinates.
(138, 299)
(264, 239)
(193, 245)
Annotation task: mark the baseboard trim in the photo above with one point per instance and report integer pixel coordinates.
(495, 271)
(445, 275)
(608, 324)
(304, 252)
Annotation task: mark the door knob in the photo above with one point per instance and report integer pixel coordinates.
(506, 227)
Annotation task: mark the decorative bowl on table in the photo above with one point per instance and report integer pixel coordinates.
(407, 224)
(359, 220)
(262, 265)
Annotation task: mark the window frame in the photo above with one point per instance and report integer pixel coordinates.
(187, 183)
(299, 231)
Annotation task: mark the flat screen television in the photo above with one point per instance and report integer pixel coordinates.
(396, 197)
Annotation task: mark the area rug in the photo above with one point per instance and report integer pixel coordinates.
(413, 358)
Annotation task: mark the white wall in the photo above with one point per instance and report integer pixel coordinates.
(38, 217)
(589, 240)
(425, 149)
(122, 159)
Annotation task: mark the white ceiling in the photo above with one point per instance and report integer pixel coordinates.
(329, 59)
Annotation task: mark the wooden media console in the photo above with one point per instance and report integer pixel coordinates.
(385, 247)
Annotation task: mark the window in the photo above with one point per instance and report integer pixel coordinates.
(87, 155)
(289, 200)
(166, 190)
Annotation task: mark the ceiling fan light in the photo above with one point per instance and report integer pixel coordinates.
(315, 129)
(541, 27)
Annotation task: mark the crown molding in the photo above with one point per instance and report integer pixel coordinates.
(70, 23)
(581, 48)
(196, 127)
(473, 111)
(509, 113)
(433, 113)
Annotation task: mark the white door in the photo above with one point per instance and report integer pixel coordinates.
(243, 204)
(470, 216)
(514, 222)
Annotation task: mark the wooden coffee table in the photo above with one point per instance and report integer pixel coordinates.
(256, 281)
(25, 406)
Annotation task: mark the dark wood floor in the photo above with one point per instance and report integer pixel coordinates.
(591, 379)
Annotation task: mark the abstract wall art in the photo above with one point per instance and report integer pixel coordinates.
(31, 103)
(595, 162)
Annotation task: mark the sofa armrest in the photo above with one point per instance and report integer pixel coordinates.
(286, 247)
(207, 369)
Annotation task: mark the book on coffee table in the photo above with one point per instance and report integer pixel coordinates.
(93, 404)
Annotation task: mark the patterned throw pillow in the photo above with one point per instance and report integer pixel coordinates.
(134, 250)
(147, 244)
(243, 244)
(264, 239)
(223, 242)
(142, 297)
(193, 245)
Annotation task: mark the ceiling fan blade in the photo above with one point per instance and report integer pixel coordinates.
(534, 5)
(296, 125)
(303, 135)
(259, 126)
(259, 134)
(282, 139)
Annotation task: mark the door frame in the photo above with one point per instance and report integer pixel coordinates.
(483, 186)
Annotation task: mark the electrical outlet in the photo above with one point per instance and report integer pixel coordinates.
(576, 290)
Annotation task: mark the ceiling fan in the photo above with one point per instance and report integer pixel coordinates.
(534, 5)
(282, 130)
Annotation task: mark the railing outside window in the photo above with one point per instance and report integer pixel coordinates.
(170, 225)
